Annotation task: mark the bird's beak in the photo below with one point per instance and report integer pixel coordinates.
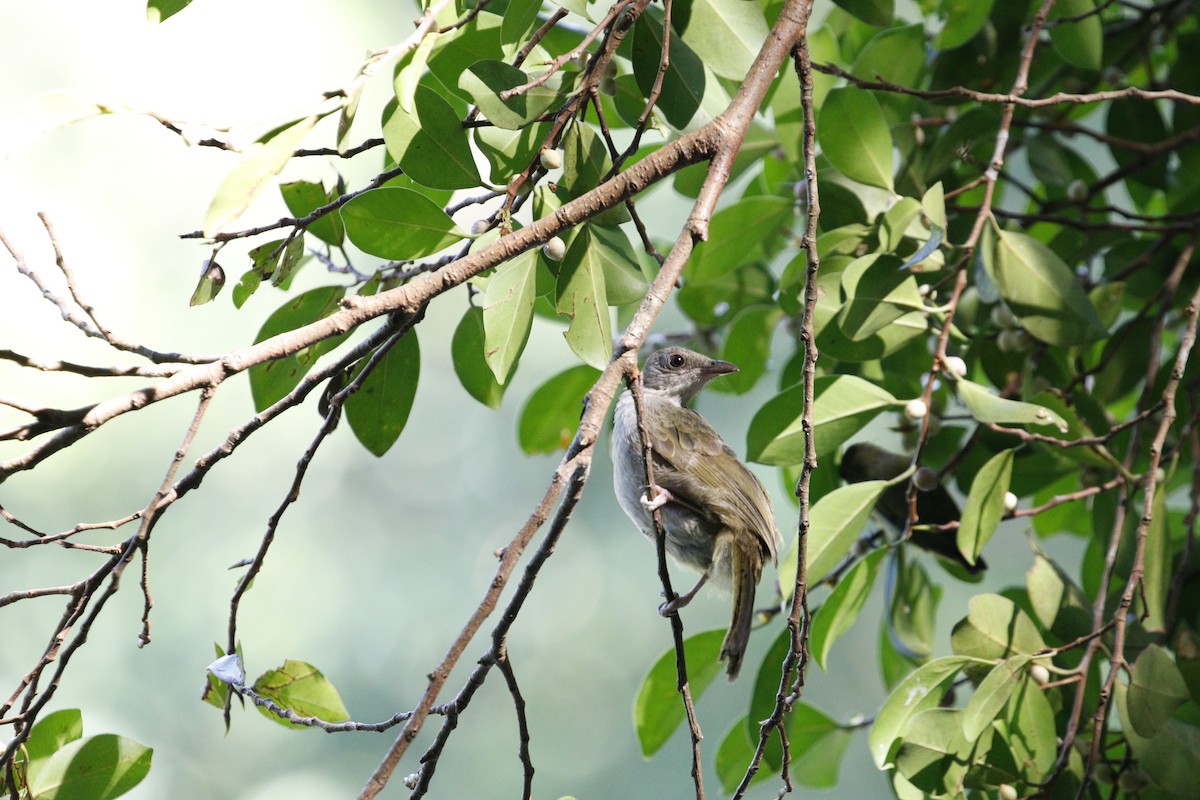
(714, 368)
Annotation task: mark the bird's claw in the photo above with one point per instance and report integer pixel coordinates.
(660, 499)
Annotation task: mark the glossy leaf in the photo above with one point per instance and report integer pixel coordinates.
(658, 710)
(378, 411)
(304, 197)
(842, 405)
(854, 136)
(51, 733)
(429, 142)
(992, 695)
(98, 768)
(835, 522)
(964, 19)
(508, 313)
(683, 84)
(878, 292)
(485, 81)
(1043, 291)
(872, 12)
(259, 166)
(271, 381)
(985, 505)
(922, 689)
(839, 611)
(748, 344)
(893, 54)
(736, 235)
(158, 11)
(728, 32)
(550, 416)
(398, 224)
(1156, 689)
(301, 688)
(995, 628)
(987, 407)
(470, 365)
(1078, 37)
(581, 293)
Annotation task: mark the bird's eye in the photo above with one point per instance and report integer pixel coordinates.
(676, 360)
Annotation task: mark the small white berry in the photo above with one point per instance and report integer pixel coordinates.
(1007, 792)
(955, 366)
(1040, 675)
(551, 158)
(479, 227)
(1077, 191)
(554, 249)
(916, 409)
(1010, 502)
(1003, 317)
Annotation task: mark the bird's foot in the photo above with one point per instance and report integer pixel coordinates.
(671, 606)
(661, 498)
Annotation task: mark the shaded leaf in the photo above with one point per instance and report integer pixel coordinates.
(429, 142)
(922, 689)
(992, 695)
(987, 407)
(508, 313)
(683, 83)
(398, 224)
(835, 521)
(1079, 36)
(854, 136)
(550, 416)
(1156, 689)
(98, 768)
(304, 197)
(271, 381)
(985, 505)
(841, 608)
(728, 32)
(878, 292)
(737, 234)
(580, 292)
(485, 81)
(378, 411)
(658, 710)
(995, 628)
(470, 365)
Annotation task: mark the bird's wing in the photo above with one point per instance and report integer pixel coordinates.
(692, 462)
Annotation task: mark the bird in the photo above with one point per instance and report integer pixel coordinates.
(716, 514)
(935, 507)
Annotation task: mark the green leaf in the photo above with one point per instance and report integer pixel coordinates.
(624, 282)
(259, 165)
(378, 411)
(842, 405)
(878, 292)
(922, 689)
(304, 197)
(1027, 732)
(485, 81)
(301, 688)
(550, 416)
(912, 610)
(1156, 689)
(398, 224)
(585, 160)
(1156, 580)
(729, 33)
(508, 314)
(53, 732)
(964, 19)
(841, 608)
(1168, 759)
(872, 12)
(985, 505)
(470, 365)
(1043, 291)
(456, 51)
(933, 754)
(854, 136)
(832, 341)
(992, 695)
(748, 344)
(893, 54)
(658, 710)
(209, 286)
(1078, 35)
(835, 521)
(96, 768)
(509, 152)
(683, 83)
(270, 382)
(995, 628)
(987, 407)
(734, 753)
(158, 11)
(737, 234)
(519, 19)
(580, 292)
(429, 142)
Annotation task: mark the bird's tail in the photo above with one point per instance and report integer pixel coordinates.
(746, 571)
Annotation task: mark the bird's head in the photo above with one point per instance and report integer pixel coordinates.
(681, 373)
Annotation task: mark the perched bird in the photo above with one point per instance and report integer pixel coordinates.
(866, 462)
(716, 515)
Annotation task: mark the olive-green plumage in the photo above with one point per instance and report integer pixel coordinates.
(716, 515)
(866, 462)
